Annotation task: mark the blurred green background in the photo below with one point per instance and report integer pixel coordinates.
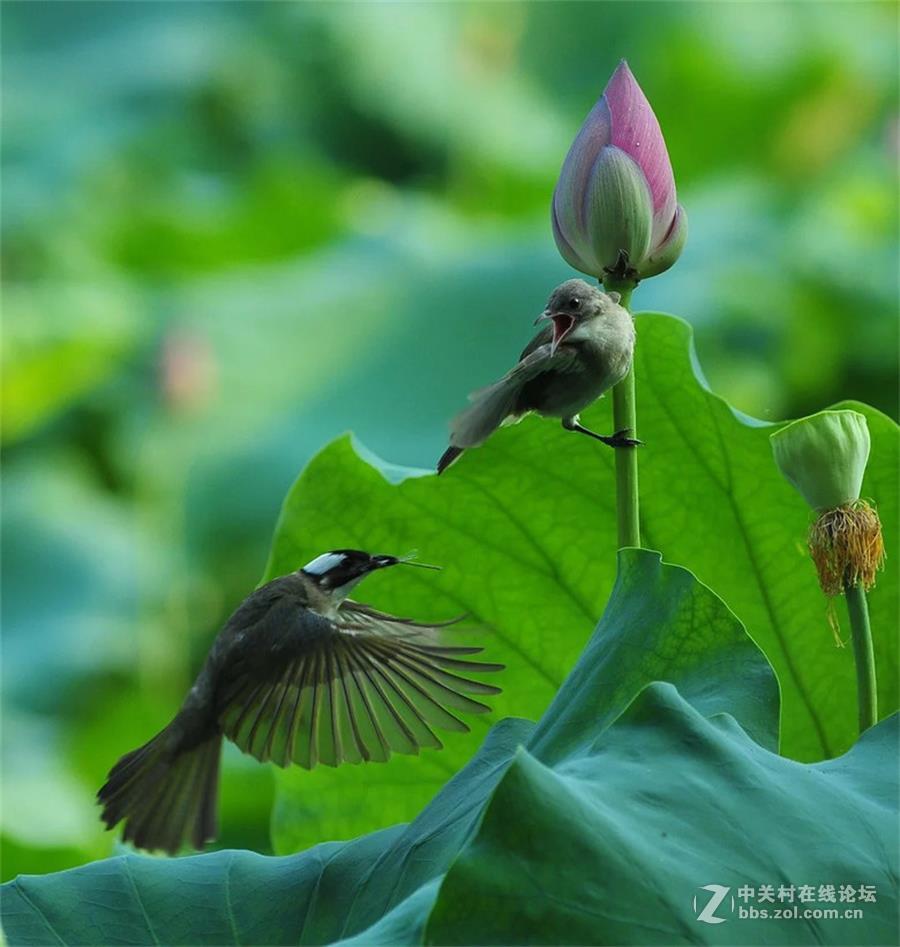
(233, 231)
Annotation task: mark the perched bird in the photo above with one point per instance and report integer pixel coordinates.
(300, 673)
(585, 350)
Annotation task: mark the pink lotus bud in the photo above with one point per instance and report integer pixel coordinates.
(614, 207)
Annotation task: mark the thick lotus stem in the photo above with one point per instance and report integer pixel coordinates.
(864, 655)
(628, 518)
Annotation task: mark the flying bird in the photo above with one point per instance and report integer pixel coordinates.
(299, 674)
(584, 350)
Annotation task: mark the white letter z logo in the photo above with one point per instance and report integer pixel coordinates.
(708, 914)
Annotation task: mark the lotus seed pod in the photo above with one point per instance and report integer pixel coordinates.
(824, 456)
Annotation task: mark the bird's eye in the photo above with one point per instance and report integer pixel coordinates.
(576, 302)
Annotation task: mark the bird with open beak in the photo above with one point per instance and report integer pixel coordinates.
(585, 349)
(299, 674)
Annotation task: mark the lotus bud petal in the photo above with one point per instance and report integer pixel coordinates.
(567, 251)
(619, 211)
(616, 190)
(670, 249)
(570, 199)
(824, 456)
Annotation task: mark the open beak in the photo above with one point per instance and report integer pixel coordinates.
(563, 324)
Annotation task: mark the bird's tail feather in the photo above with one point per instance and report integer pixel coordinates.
(491, 407)
(447, 458)
(165, 795)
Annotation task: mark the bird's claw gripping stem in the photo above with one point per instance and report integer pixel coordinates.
(619, 439)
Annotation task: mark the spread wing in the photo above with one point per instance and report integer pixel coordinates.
(361, 617)
(302, 688)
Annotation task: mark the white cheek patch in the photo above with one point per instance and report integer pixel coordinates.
(322, 564)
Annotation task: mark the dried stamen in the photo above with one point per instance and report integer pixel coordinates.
(847, 547)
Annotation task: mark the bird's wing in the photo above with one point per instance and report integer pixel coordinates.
(544, 337)
(535, 359)
(302, 688)
(495, 405)
(538, 358)
(357, 616)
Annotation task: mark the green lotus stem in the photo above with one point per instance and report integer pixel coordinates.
(864, 654)
(628, 519)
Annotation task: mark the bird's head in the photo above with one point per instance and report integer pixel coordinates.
(575, 303)
(338, 571)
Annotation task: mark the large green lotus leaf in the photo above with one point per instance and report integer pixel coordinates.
(525, 530)
(614, 816)
(613, 843)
